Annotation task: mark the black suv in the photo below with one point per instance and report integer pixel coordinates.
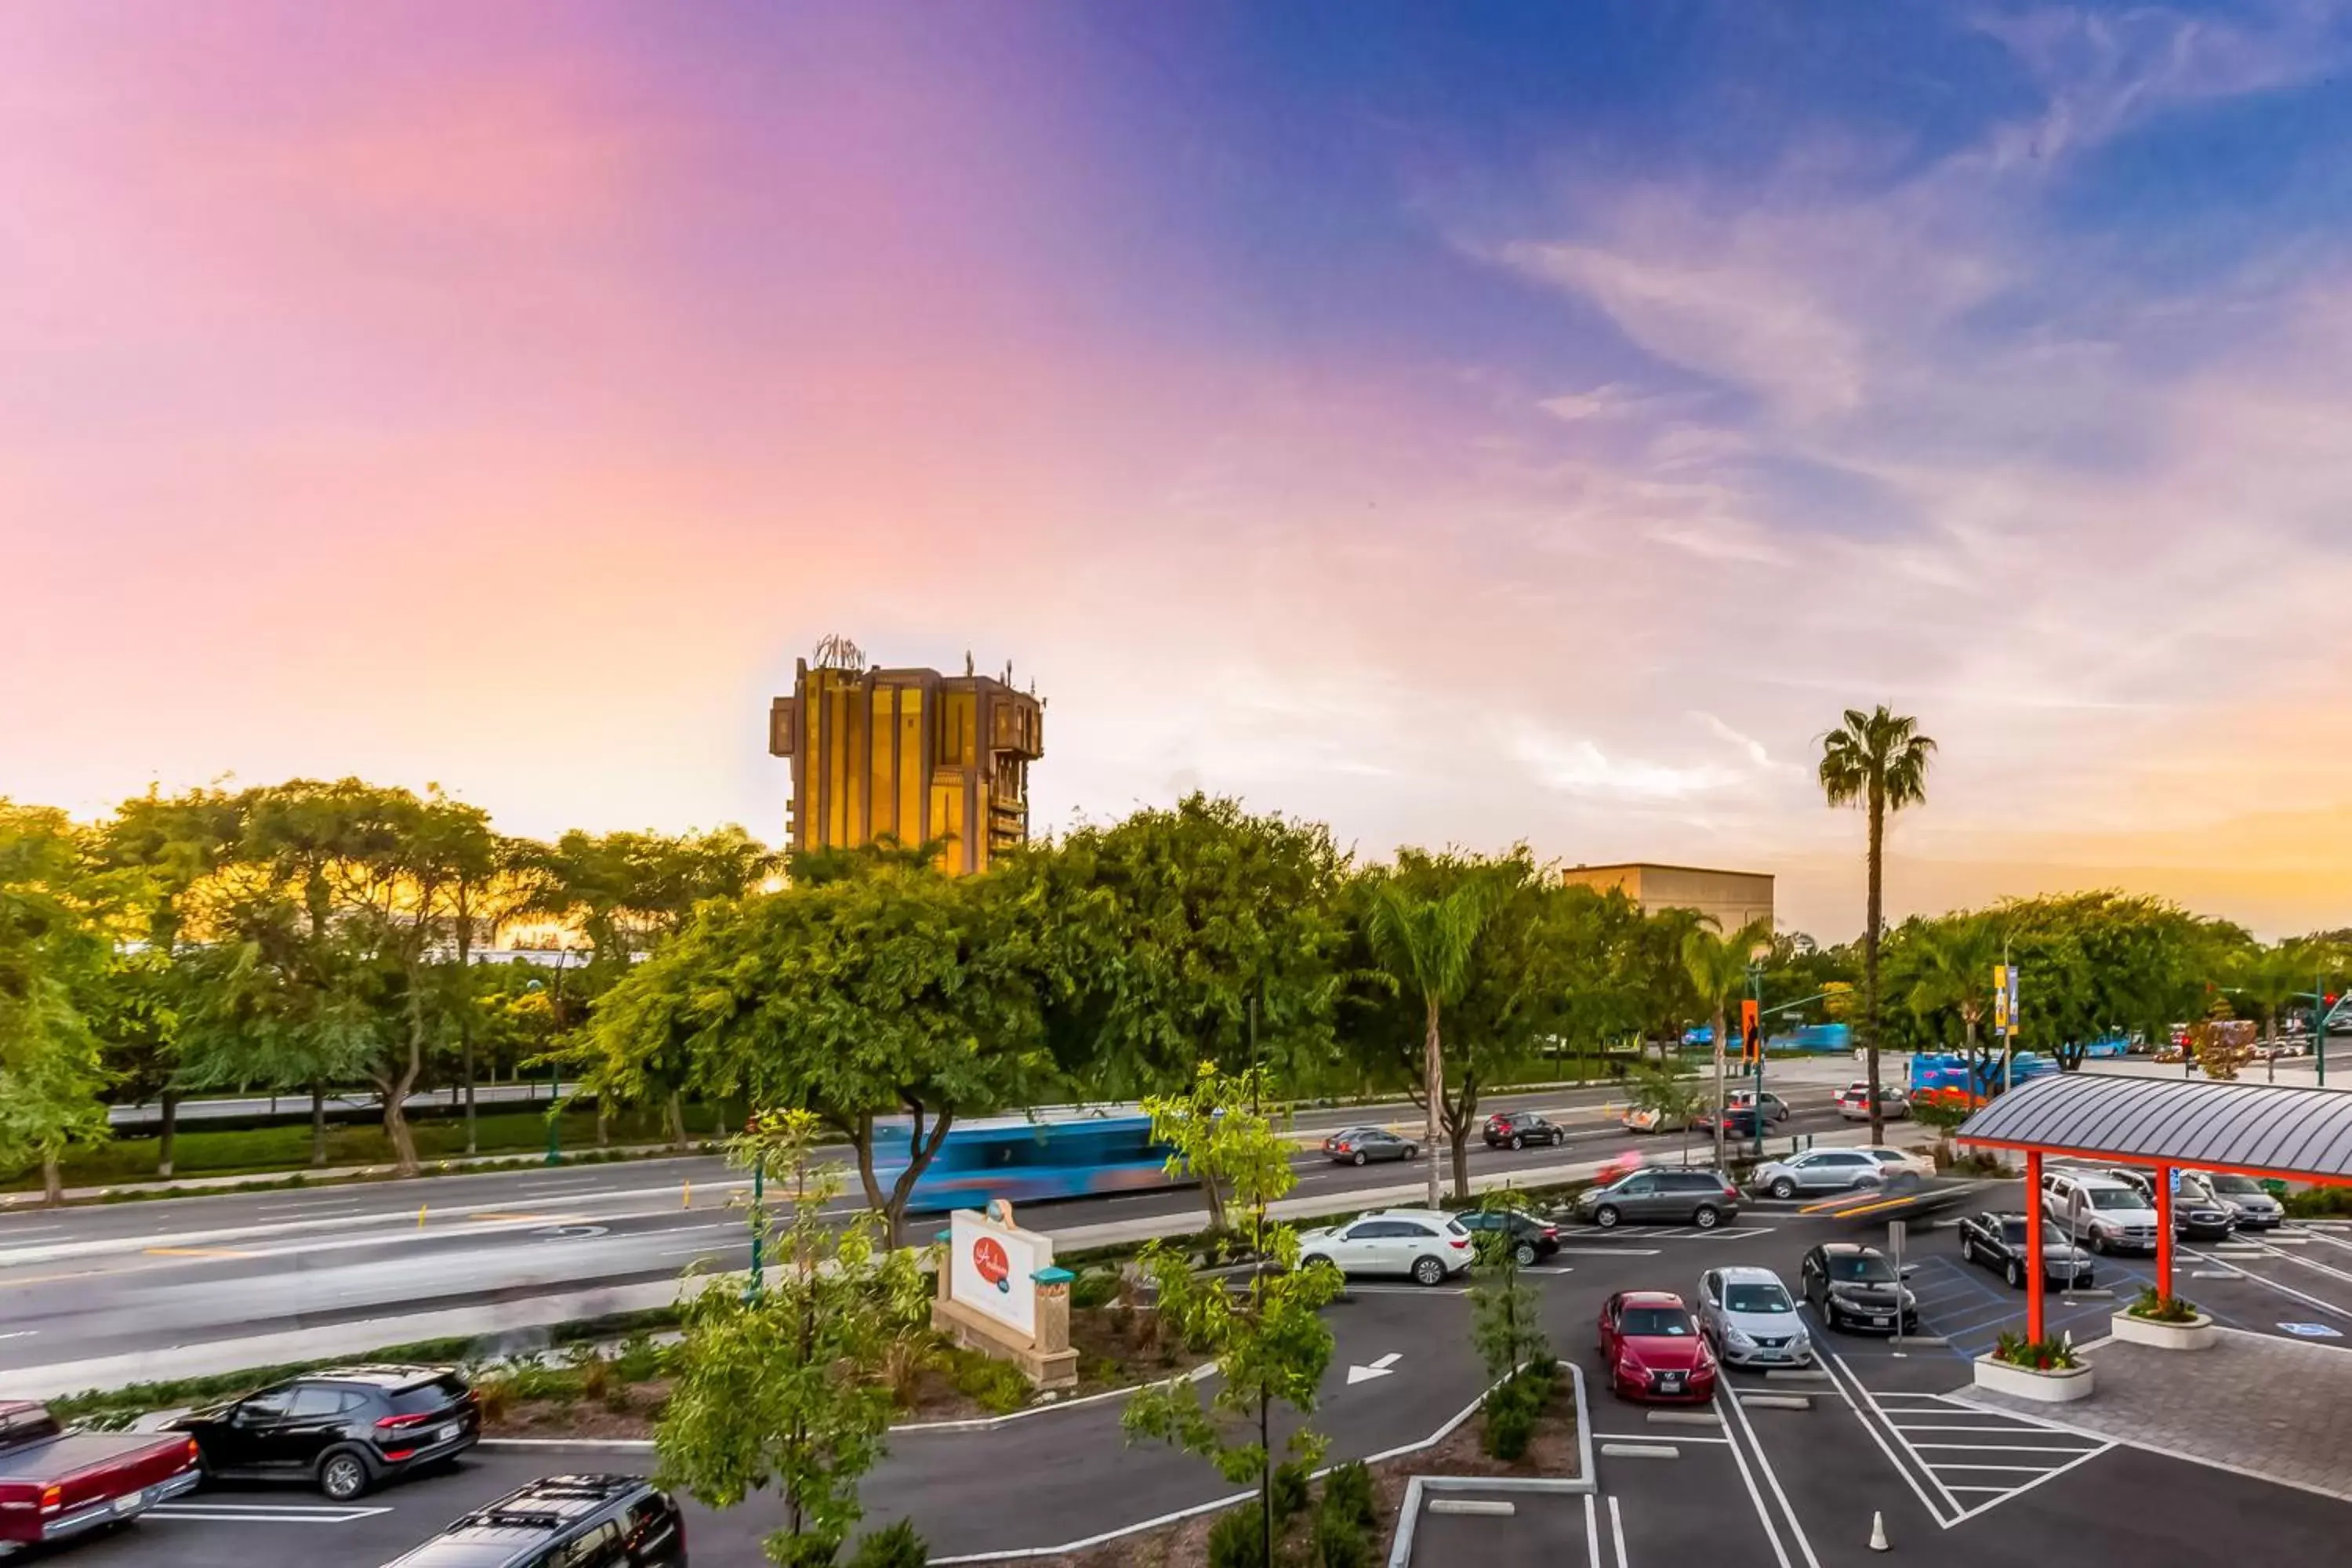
(564, 1522)
(1521, 1127)
(342, 1430)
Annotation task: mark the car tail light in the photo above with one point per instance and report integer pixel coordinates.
(195, 1455)
(389, 1423)
(1729, 1190)
(1459, 1242)
(396, 1455)
(1551, 1232)
(52, 1498)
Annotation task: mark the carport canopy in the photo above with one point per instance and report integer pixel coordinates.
(2259, 1128)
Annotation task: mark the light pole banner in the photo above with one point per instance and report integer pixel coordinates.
(2000, 999)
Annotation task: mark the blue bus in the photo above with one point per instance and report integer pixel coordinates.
(1023, 1161)
(1953, 1077)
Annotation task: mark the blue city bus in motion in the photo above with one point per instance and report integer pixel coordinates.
(1023, 1161)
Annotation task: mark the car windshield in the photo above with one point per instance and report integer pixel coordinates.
(1766, 1298)
(1656, 1322)
(2114, 1198)
(426, 1397)
(2237, 1186)
(1861, 1269)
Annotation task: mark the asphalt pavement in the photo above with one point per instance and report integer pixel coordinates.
(436, 1258)
(1761, 1486)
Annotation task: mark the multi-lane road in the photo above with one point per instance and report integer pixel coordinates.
(444, 1255)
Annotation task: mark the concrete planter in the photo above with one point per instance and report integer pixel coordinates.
(2194, 1335)
(2024, 1383)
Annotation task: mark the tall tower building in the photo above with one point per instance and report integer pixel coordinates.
(909, 754)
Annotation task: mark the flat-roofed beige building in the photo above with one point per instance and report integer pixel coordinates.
(1733, 898)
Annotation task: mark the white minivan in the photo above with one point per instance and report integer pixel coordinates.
(2098, 1211)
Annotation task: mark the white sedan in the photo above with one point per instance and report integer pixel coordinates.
(1892, 1160)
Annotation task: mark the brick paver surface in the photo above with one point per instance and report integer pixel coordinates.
(2277, 1407)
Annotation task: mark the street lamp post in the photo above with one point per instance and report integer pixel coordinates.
(1755, 1046)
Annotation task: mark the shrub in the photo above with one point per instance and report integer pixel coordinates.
(1289, 1488)
(1238, 1538)
(897, 1547)
(639, 1360)
(2037, 1355)
(997, 1386)
(1510, 1427)
(1340, 1542)
(2158, 1309)
(1095, 1288)
(1348, 1494)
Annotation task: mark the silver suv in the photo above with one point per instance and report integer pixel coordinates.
(1818, 1170)
(1427, 1245)
(2095, 1209)
(1749, 1318)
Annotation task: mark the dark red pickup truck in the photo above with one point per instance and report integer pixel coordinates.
(55, 1484)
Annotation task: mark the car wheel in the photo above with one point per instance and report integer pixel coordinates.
(1360, 1158)
(1783, 1188)
(1606, 1216)
(1428, 1271)
(1968, 1250)
(2098, 1243)
(1558, 1138)
(2014, 1274)
(343, 1475)
(1518, 1141)
(1707, 1216)
(2085, 1282)
(1413, 1151)
(1524, 1255)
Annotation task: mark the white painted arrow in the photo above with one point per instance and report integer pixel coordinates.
(1380, 1368)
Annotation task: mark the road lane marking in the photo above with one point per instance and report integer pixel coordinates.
(197, 1252)
(1771, 1536)
(1764, 1464)
(1616, 1529)
(519, 1218)
(1592, 1533)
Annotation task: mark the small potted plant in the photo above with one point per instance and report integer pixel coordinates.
(2046, 1370)
(2166, 1323)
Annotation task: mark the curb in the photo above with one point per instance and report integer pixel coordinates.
(1416, 1488)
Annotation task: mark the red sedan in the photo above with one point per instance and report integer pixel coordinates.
(1653, 1350)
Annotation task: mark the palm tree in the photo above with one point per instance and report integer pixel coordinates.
(1956, 958)
(2269, 978)
(1717, 967)
(1424, 944)
(1879, 761)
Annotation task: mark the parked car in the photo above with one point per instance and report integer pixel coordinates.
(1521, 1127)
(1853, 1288)
(1818, 1170)
(1427, 1245)
(1531, 1239)
(1998, 1241)
(2094, 1208)
(1749, 1318)
(2256, 1209)
(1362, 1145)
(55, 1485)
(343, 1431)
(2197, 1213)
(564, 1522)
(1893, 1105)
(1775, 1108)
(1909, 1162)
(1653, 1350)
(1702, 1198)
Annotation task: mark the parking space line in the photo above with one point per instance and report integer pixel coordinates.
(1757, 1498)
(1848, 1385)
(1591, 1532)
(1772, 1479)
(1616, 1529)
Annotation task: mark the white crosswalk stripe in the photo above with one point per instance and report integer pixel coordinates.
(1976, 1457)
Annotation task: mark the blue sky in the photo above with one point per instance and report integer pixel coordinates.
(1462, 423)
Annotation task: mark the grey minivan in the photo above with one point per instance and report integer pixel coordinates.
(1702, 1198)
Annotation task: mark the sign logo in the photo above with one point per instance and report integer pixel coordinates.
(2310, 1331)
(988, 1256)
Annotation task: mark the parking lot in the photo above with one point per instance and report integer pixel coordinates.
(1887, 1430)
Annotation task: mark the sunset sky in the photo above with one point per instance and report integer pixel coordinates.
(1458, 423)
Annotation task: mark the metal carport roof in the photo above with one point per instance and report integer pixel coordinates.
(2264, 1129)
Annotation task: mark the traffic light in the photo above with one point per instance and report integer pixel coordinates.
(1751, 1037)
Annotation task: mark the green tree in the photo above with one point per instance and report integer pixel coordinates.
(1269, 1339)
(2267, 979)
(1717, 967)
(1878, 761)
(1505, 1316)
(1950, 964)
(1425, 942)
(903, 994)
(779, 1388)
(53, 952)
(1671, 1095)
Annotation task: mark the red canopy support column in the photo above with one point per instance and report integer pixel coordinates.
(2164, 1231)
(2034, 1264)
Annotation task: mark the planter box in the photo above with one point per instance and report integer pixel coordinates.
(2024, 1383)
(2197, 1334)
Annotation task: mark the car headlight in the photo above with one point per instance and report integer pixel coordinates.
(1735, 1335)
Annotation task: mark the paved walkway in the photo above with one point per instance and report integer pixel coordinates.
(2271, 1407)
